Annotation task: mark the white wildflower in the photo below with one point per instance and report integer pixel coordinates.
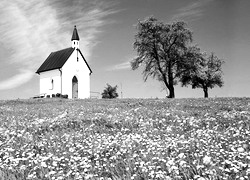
(240, 149)
(43, 164)
(182, 163)
(181, 155)
(207, 159)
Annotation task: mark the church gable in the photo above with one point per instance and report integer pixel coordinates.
(76, 63)
(90, 71)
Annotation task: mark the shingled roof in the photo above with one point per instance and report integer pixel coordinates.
(55, 60)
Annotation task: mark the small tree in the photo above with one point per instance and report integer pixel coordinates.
(207, 74)
(110, 92)
(163, 50)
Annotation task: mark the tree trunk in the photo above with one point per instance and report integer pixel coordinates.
(171, 81)
(205, 89)
(171, 92)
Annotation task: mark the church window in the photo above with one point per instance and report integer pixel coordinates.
(77, 55)
(52, 84)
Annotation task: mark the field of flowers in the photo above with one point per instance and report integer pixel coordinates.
(139, 139)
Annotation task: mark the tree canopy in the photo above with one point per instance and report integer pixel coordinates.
(164, 51)
(208, 74)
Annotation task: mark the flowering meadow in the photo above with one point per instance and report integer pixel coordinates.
(138, 139)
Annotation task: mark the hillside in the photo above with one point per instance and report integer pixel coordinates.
(125, 139)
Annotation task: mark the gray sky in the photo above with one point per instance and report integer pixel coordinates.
(30, 30)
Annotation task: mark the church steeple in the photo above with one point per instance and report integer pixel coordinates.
(75, 39)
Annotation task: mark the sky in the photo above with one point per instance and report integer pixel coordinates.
(31, 30)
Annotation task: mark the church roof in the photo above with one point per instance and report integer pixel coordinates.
(56, 60)
(75, 35)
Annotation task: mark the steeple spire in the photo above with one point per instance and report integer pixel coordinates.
(75, 39)
(75, 35)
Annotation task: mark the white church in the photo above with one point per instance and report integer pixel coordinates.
(66, 72)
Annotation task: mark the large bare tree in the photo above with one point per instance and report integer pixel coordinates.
(164, 51)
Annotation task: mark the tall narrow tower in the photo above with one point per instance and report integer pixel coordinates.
(75, 39)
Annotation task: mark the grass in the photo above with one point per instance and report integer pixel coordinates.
(56, 139)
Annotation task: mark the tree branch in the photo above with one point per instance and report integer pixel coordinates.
(159, 66)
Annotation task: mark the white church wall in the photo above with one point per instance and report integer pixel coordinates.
(79, 69)
(46, 86)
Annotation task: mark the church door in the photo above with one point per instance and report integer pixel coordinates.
(74, 88)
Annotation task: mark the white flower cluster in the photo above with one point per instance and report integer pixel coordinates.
(128, 139)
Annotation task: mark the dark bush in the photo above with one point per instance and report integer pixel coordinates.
(110, 92)
(48, 96)
(65, 96)
(53, 95)
(58, 95)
